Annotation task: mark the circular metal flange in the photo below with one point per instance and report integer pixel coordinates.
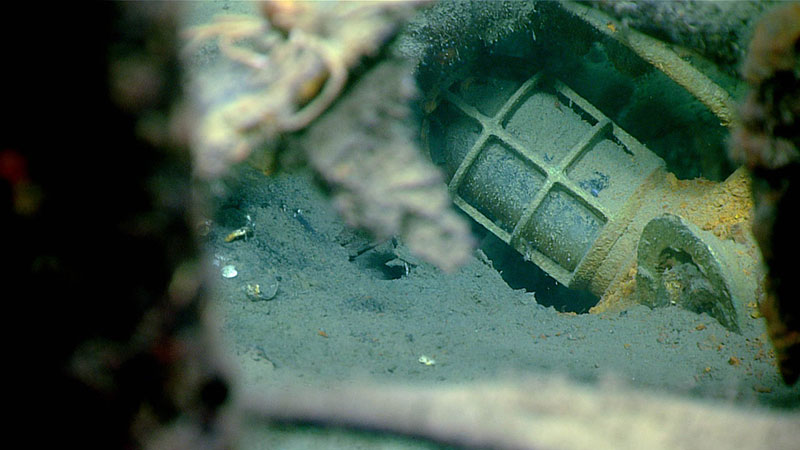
(680, 264)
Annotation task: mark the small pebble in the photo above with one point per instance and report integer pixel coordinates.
(229, 271)
(261, 291)
(426, 360)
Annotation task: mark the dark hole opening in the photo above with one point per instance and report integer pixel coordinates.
(521, 274)
(375, 263)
